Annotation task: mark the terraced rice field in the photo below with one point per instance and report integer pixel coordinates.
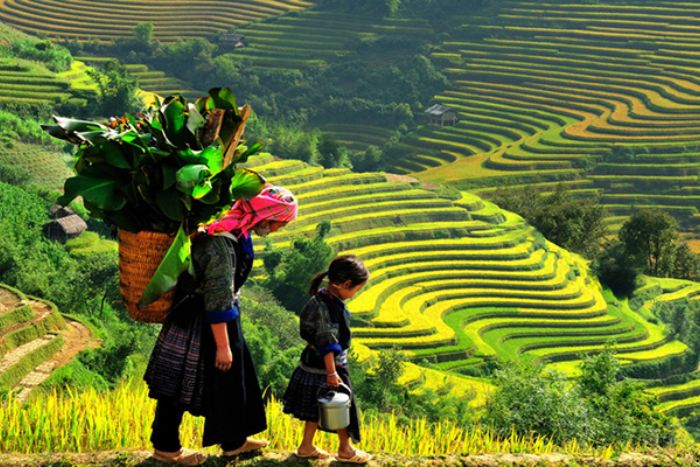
(604, 95)
(312, 37)
(29, 334)
(683, 396)
(150, 82)
(25, 82)
(456, 283)
(46, 166)
(104, 21)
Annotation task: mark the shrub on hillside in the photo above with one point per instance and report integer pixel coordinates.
(600, 408)
(377, 387)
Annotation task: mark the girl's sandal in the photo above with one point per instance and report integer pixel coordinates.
(360, 457)
(251, 444)
(315, 454)
(183, 457)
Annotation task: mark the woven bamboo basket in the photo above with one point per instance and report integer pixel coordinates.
(139, 256)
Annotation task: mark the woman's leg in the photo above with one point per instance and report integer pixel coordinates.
(166, 426)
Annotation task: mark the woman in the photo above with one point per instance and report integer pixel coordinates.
(200, 362)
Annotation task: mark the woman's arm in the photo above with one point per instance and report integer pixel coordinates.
(217, 263)
(224, 357)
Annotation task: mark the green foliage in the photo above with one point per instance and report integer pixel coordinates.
(529, 399)
(686, 264)
(289, 271)
(649, 236)
(683, 318)
(74, 376)
(620, 410)
(19, 45)
(599, 409)
(571, 223)
(16, 127)
(369, 160)
(617, 269)
(376, 384)
(117, 89)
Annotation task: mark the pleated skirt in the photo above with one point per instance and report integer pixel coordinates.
(181, 369)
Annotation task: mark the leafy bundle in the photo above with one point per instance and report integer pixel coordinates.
(167, 170)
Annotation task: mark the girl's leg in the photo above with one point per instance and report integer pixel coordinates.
(307, 442)
(345, 449)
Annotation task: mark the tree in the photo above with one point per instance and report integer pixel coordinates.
(117, 89)
(569, 222)
(650, 234)
(617, 268)
(619, 410)
(143, 32)
(290, 272)
(331, 153)
(686, 264)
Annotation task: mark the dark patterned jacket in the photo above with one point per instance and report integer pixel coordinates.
(325, 325)
(222, 263)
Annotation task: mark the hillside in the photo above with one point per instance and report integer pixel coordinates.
(105, 21)
(35, 339)
(601, 96)
(457, 284)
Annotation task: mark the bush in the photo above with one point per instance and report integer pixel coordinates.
(600, 409)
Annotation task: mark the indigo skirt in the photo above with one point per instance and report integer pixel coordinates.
(300, 398)
(182, 370)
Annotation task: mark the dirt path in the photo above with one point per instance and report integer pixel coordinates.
(76, 337)
(273, 458)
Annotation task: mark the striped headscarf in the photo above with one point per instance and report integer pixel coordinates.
(274, 203)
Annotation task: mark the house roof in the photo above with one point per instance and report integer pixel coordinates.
(437, 110)
(72, 224)
(231, 37)
(60, 211)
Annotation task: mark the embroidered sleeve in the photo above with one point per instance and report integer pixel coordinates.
(317, 328)
(217, 262)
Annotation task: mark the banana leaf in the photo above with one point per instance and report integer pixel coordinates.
(246, 183)
(176, 261)
(191, 176)
(104, 193)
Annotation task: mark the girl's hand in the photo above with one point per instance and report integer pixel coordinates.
(333, 380)
(224, 358)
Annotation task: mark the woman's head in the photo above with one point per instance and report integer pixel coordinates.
(346, 276)
(273, 208)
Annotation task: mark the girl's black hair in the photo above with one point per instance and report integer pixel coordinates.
(342, 268)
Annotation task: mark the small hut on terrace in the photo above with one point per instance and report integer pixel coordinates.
(441, 115)
(64, 228)
(232, 39)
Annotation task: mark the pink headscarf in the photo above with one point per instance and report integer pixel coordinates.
(274, 203)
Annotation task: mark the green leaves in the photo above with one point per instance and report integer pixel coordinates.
(102, 192)
(166, 169)
(176, 261)
(246, 184)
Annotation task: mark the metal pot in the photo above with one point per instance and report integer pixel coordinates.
(334, 407)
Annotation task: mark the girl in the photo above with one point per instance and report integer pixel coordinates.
(325, 325)
(201, 362)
